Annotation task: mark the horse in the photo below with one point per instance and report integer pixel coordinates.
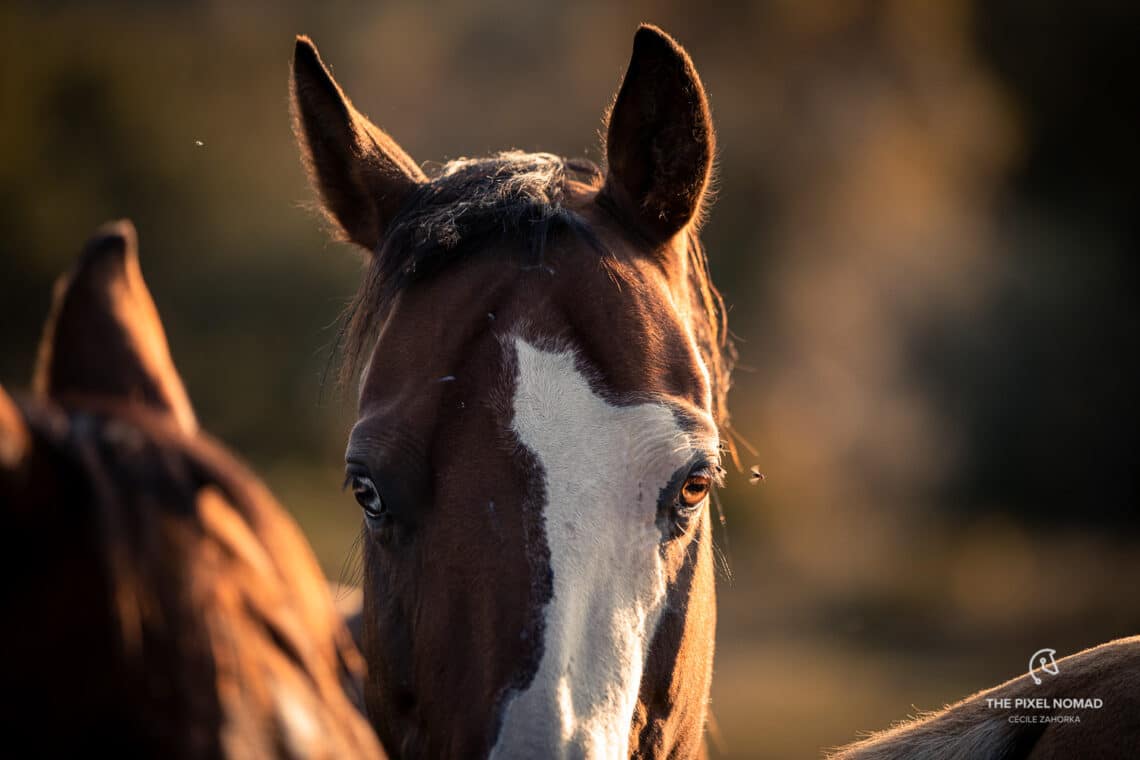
(158, 601)
(542, 362)
(1084, 705)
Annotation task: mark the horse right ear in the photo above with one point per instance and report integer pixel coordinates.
(362, 175)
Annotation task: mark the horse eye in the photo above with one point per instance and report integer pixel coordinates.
(695, 489)
(367, 496)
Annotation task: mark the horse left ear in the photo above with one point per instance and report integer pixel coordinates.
(660, 141)
(104, 338)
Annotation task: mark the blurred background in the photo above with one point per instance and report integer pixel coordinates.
(927, 231)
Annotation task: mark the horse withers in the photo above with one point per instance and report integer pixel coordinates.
(158, 602)
(539, 430)
(1086, 705)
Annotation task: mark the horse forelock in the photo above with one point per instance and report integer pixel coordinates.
(469, 200)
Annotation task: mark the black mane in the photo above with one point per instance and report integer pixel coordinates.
(511, 193)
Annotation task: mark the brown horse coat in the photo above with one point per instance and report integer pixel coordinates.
(986, 726)
(158, 601)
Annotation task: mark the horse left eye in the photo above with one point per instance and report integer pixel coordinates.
(695, 489)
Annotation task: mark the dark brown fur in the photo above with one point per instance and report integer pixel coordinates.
(158, 601)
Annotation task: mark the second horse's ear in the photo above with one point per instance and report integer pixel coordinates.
(362, 175)
(660, 142)
(104, 339)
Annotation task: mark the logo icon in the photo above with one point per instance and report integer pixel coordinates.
(1045, 659)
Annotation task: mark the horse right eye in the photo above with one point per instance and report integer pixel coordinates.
(367, 496)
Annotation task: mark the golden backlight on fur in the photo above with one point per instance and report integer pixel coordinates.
(198, 623)
(104, 337)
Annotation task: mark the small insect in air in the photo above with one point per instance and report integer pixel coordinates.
(199, 143)
(755, 477)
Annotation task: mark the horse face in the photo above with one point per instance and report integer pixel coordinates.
(537, 435)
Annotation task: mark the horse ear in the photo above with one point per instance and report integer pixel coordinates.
(660, 141)
(104, 338)
(362, 175)
(14, 435)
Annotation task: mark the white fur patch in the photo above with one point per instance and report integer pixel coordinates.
(605, 466)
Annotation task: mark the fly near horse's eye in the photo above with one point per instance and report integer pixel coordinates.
(695, 489)
(367, 496)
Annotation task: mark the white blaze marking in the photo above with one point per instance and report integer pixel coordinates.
(605, 466)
